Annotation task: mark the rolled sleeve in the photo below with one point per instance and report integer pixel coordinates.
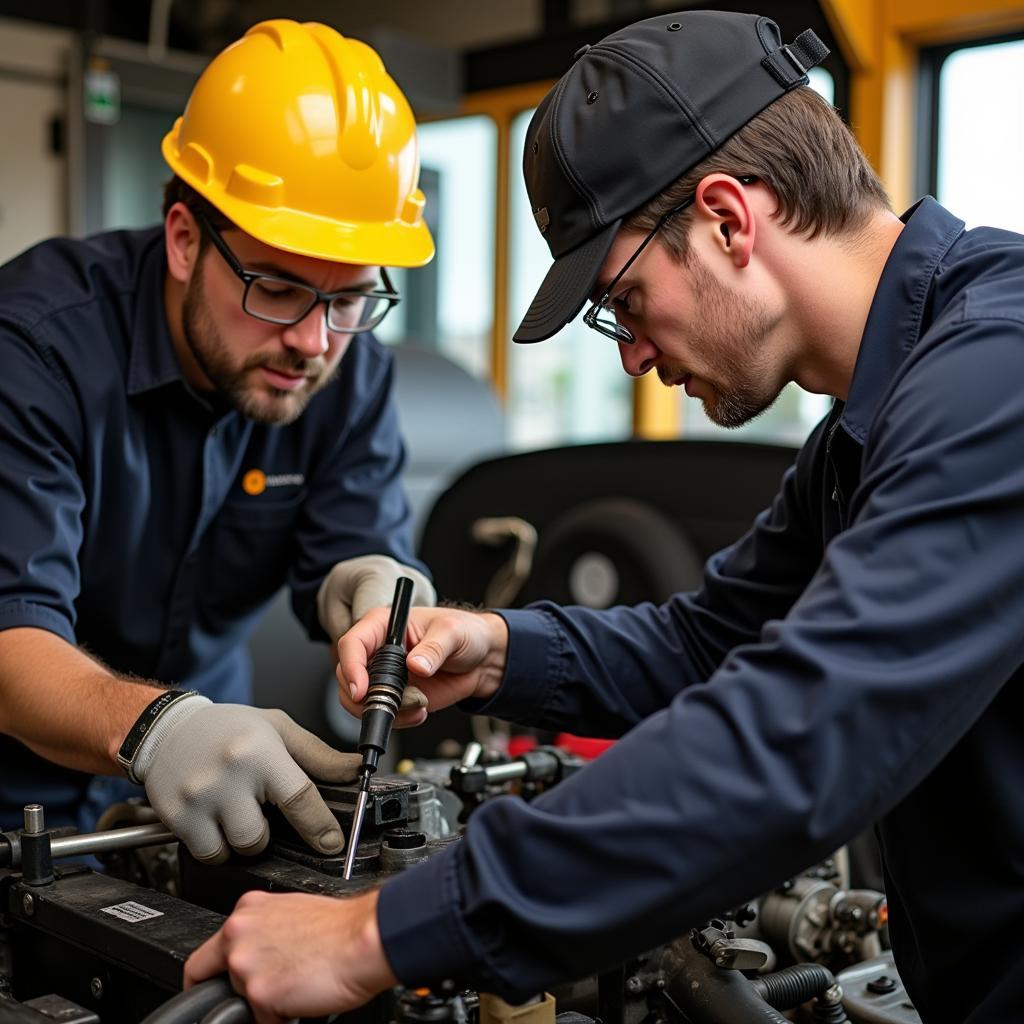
(43, 493)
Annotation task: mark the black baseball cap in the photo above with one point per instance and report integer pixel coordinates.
(635, 112)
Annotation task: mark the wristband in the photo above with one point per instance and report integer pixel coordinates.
(143, 724)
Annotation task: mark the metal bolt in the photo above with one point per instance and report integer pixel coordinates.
(634, 985)
(881, 985)
(34, 821)
(28, 904)
(96, 988)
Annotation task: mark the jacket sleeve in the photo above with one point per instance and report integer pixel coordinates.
(356, 503)
(43, 499)
(900, 641)
(599, 673)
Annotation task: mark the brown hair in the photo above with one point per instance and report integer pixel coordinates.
(801, 149)
(177, 191)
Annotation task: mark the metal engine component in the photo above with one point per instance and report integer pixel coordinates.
(811, 919)
(105, 949)
(874, 993)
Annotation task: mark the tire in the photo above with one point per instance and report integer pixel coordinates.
(611, 551)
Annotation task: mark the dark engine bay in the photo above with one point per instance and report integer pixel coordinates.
(80, 946)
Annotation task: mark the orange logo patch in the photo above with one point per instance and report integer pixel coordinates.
(254, 482)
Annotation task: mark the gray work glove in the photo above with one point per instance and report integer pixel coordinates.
(355, 586)
(207, 768)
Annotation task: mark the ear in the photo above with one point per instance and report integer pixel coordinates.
(181, 238)
(723, 202)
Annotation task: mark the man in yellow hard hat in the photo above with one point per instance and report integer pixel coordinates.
(190, 417)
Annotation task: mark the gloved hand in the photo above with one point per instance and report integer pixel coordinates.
(207, 768)
(355, 586)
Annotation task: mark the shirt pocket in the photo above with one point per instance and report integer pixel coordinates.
(248, 551)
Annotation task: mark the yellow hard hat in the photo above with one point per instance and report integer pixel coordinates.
(301, 138)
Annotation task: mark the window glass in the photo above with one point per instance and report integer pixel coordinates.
(570, 388)
(981, 134)
(449, 304)
(135, 171)
(822, 82)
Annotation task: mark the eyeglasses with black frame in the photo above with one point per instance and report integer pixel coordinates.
(602, 316)
(279, 300)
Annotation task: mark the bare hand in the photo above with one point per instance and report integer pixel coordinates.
(453, 655)
(296, 955)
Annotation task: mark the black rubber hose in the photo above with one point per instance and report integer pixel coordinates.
(188, 1007)
(713, 995)
(231, 1011)
(794, 985)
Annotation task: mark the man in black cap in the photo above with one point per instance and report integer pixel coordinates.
(854, 659)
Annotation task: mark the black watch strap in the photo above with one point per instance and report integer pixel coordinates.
(143, 724)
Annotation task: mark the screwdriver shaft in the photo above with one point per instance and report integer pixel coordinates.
(388, 677)
(357, 827)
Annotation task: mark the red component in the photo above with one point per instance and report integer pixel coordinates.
(521, 744)
(582, 746)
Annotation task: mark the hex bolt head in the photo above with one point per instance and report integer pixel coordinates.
(634, 985)
(96, 988)
(28, 904)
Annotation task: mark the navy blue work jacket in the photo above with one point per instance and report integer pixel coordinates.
(855, 658)
(127, 527)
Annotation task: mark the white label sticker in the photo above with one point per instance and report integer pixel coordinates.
(132, 911)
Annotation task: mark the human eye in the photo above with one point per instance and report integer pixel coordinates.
(276, 289)
(622, 303)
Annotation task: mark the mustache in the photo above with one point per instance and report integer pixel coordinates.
(668, 372)
(306, 367)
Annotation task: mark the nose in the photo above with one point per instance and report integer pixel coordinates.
(309, 336)
(639, 357)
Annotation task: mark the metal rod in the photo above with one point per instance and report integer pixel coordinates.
(505, 772)
(471, 755)
(115, 839)
(90, 842)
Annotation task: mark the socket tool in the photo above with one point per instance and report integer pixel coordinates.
(388, 679)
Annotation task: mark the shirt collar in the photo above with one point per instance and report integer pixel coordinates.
(896, 316)
(153, 361)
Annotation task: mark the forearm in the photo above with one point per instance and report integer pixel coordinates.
(63, 704)
(596, 673)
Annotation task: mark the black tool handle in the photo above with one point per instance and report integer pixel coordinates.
(388, 679)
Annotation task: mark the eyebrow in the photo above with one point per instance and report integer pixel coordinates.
(264, 267)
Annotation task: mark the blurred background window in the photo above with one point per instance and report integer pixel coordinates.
(979, 149)
(571, 388)
(448, 305)
(135, 171)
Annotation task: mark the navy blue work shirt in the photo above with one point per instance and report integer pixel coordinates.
(147, 524)
(855, 658)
